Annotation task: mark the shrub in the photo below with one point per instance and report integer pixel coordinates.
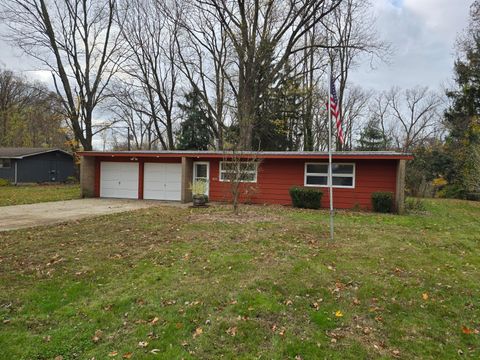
(198, 187)
(4, 182)
(475, 196)
(382, 202)
(71, 180)
(307, 198)
(415, 205)
(452, 191)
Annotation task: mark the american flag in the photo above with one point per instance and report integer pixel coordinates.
(335, 110)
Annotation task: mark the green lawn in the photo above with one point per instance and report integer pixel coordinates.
(173, 283)
(16, 195)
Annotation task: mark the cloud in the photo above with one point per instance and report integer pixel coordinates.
(422, 33)
(445, 17)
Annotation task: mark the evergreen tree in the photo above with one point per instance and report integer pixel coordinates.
(463, 116)
(279, 119)
(194, 133)
(372, 138)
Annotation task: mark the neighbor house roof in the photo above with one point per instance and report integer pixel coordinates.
(22, 152)
(249, 154)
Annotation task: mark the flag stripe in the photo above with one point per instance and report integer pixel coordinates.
(334, 109)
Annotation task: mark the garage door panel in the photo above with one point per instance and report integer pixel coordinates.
(162, 181)
(119, 180)
(119, 193)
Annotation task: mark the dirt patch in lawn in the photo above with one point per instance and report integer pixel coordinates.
(221, 214)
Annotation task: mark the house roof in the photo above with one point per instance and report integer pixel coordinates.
(249, 154)
(22, 152)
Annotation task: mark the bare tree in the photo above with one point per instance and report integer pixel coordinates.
(409, 117)
(77, 41)
(127, 112)
(30, 114)
(416, 115)
(350, 30)
(263, 35)
(240, 170)
(379, 109)
(150, 67)
(355, 106)
(204, 59)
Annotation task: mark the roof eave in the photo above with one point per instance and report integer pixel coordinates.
(132, 154)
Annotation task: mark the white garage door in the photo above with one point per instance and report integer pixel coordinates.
(162, 181)
(119, 180)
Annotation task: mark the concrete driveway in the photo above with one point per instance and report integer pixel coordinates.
(23, 216)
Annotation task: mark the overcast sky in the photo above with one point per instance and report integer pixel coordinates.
(422, 34)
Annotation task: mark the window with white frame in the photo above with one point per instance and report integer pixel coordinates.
(243, 171)
(5, 163)
(343, 175)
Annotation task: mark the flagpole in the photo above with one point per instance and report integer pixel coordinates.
(330, 187)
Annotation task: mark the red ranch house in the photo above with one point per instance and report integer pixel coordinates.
(167, 175)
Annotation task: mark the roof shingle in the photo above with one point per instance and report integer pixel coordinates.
(20, 152)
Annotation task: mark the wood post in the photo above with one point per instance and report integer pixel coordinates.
(187, 177)
(87, 176)
(400, 187)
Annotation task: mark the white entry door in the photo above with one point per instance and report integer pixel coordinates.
(119, 180)
(201, 172)
(162, 181)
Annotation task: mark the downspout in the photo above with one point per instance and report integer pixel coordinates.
(16, 170)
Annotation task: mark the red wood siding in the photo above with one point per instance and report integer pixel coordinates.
(275, 177)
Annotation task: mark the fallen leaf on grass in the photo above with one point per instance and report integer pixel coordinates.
(425, 296)
(113, 353)
(98, 335)
(154, 320)
(468, 331)
(154, 351)
(288, 302)
(366, 330)
(232, 331)
(198, 332)
(143, 344)
(127, 355)
(338, 313)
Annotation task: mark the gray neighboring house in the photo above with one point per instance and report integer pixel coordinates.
(35, 165)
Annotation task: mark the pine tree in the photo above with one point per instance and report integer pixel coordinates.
(372, 138)
(194, 133)
(279, 119)
(463, 116)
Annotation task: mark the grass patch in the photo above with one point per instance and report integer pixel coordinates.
(200, 284)
(31, 194)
